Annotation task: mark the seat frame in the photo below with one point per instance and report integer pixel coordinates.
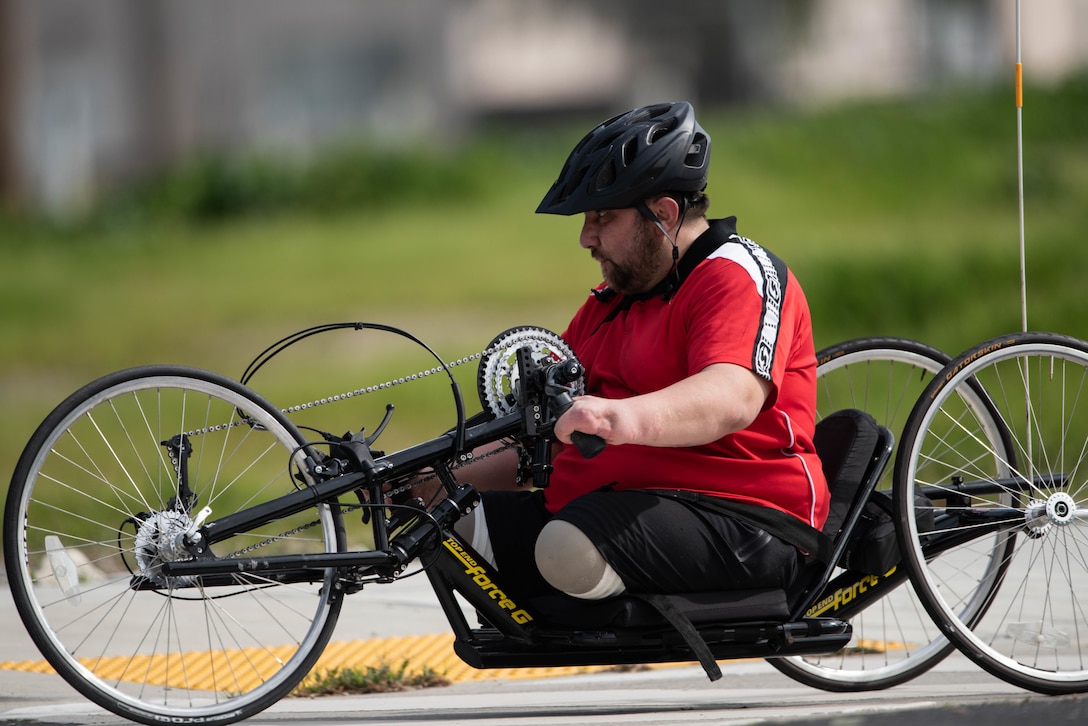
(703, 626)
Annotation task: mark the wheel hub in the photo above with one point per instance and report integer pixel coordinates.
(1058, 509)
(1061, 509)
(159, 539)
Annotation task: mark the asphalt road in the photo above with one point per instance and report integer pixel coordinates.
(955, 692)
(750, 692)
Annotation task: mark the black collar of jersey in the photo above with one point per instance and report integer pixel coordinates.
(714, 237)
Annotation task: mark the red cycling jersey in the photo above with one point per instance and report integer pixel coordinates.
(739, 304)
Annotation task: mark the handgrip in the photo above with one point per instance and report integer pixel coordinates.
(589, 445)
(568, 371)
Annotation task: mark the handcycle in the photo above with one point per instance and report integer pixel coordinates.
(213, 520)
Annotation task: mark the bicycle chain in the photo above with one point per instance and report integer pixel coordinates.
(348, 394)
(540, 337)
(388, 384)
(547, 342)
(341, 397)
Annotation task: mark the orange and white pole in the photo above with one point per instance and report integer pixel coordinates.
(1020, 172)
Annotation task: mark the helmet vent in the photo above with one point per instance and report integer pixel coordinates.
(696, 156)
(606, 176)
(574, 179)
(660, 131)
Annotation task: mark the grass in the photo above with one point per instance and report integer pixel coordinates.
(898, 218)
(383, 678)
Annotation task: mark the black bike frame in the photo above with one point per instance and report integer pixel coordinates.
(436, 453)
(513, 636)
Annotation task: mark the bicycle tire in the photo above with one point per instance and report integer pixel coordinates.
(94, 510)
(1027, 495)
(894, 640)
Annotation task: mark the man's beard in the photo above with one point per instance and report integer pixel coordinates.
(642, 270)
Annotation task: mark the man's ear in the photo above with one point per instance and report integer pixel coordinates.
(667, 210)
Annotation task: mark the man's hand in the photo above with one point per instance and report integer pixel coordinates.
(719, 400)
(593, 415)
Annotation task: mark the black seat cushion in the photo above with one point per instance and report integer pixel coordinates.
(845, 441)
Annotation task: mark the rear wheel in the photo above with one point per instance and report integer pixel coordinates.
(103, 496)
(894, 639)
(1003, 567)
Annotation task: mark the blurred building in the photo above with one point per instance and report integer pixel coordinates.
(103, 92)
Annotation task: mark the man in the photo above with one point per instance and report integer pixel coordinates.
(700, 378)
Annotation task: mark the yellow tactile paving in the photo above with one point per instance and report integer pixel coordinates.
(878, 646)
(431, 651)
(199, 671)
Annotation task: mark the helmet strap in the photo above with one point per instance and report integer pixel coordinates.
(648, 213)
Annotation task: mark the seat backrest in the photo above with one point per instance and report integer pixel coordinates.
(854, 450)
(850, 443)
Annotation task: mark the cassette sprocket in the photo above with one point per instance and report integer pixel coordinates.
(497, 377)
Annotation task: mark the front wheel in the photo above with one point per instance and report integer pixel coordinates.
(1000, 558)
(103, 496)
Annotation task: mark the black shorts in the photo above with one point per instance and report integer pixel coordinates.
(655, 544)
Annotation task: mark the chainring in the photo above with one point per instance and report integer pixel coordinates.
(497, 376)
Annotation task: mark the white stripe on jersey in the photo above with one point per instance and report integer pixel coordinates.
(755, 261)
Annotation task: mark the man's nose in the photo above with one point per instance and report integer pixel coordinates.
(589, 238)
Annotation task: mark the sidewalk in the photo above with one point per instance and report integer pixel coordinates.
(382, 625)
(408, 616)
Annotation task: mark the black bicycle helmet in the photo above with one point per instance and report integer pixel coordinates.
(630, 157)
